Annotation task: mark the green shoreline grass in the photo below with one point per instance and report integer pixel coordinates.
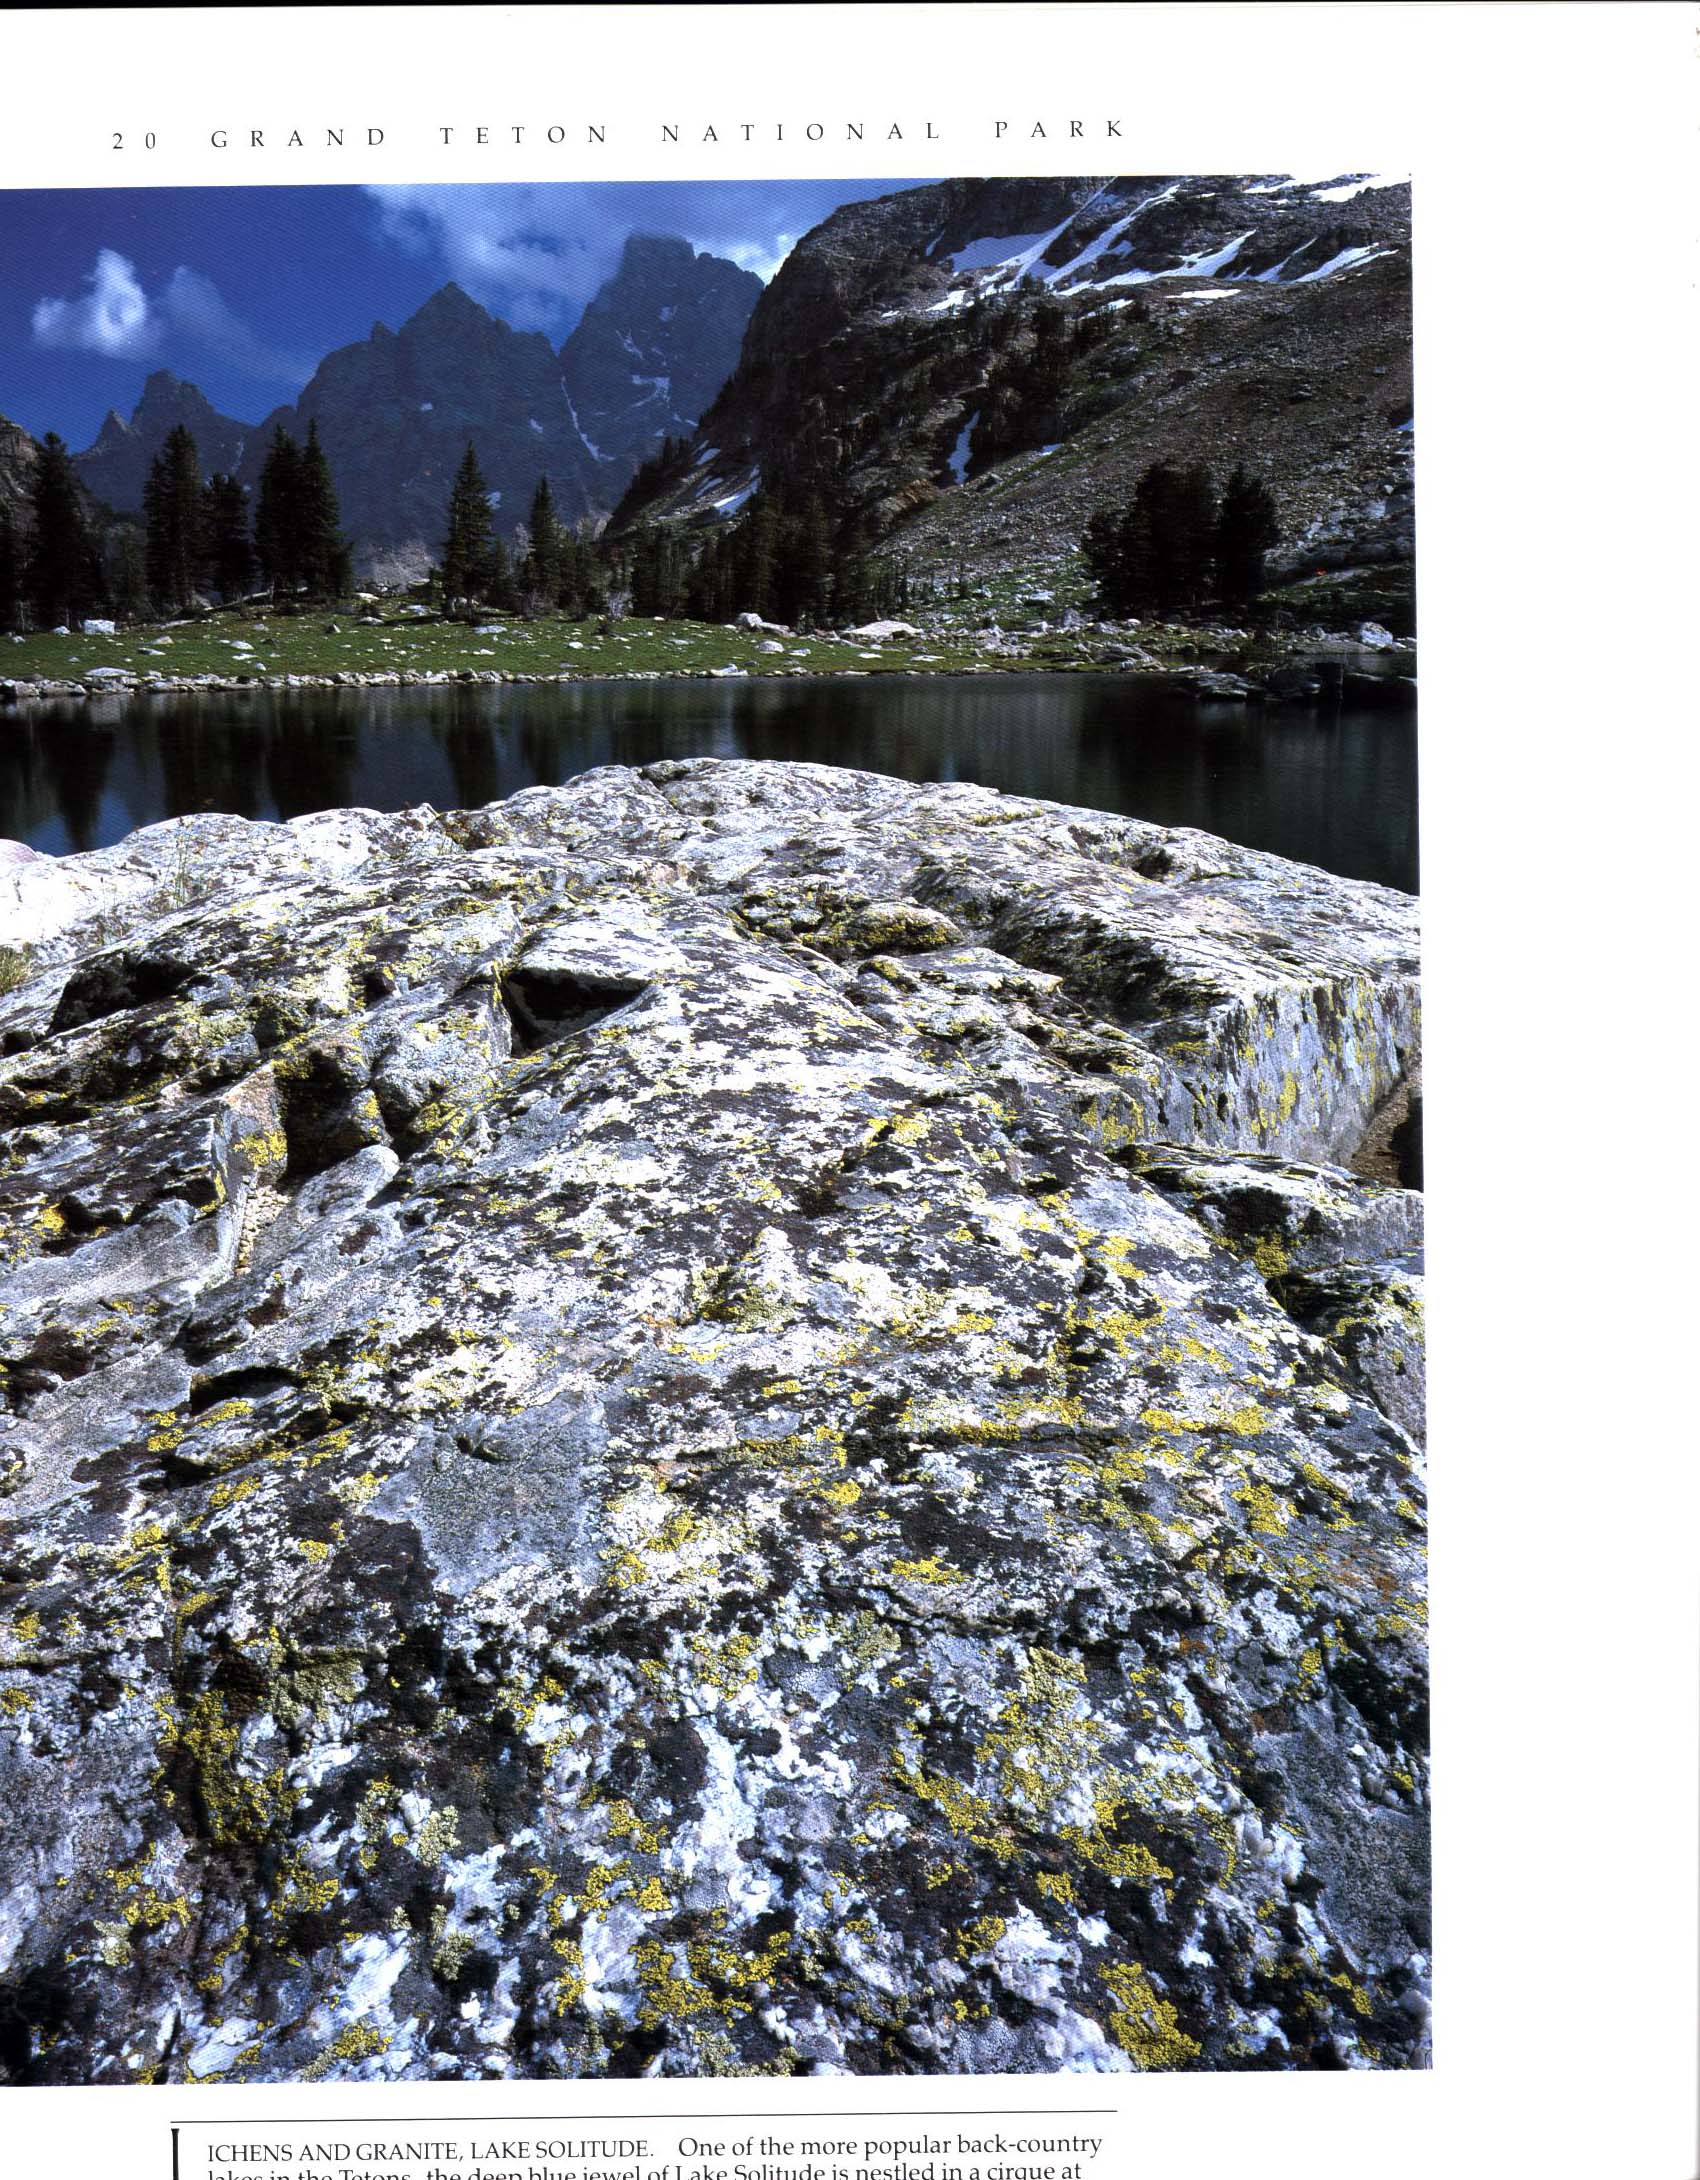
(276, 646)
(266, 649)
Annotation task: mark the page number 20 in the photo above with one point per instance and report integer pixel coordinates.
(118, 140)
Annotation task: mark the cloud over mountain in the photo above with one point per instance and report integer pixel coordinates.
(187, 316)
(536, 253)
(112, 317)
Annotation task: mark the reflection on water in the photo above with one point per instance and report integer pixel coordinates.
(1334, 785)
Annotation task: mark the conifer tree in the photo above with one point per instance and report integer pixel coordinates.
(584, 586)
(61, 579)
(171, 509)
(1157, 556)
(469, 550)
(228, 554)
(127, 573)
(11, 574)
(1245, 530)
(657, 573)
(276, 534)
(809, 573)
(543, 569)
(325, 565)
(760, 559)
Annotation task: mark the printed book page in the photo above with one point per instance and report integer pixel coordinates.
(776, 785)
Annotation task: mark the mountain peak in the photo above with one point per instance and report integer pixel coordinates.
(450, 306)
(654, 250)
(164, 393)
(115, 466)
(655, 345)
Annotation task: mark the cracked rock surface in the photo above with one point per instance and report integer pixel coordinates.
(732, 1418)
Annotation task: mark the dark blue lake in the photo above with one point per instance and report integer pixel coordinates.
(1330, 783)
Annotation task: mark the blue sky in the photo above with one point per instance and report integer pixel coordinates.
(243, 290)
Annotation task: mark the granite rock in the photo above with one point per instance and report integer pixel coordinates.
(641, 1435)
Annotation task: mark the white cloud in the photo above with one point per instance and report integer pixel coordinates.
(113, 317)
(535, 253)
(198, 318)
(186, 321)
(762, 258)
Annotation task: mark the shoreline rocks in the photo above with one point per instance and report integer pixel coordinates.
(1282, 684)
(731, 1417)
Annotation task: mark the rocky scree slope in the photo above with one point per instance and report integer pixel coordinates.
(735, 1417)
(1217, 319)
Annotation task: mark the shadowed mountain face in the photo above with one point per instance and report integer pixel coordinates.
(115, 468)
(655, 346)
(395, 411)
(1202, 318)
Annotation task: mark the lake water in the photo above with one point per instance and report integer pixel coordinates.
(1333, 784)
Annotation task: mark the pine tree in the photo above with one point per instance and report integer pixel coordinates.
(808, 588)
(1184, 532)
(276, 534)
(759, 538)
(1245, 530)
(325, 565)
(1103, 547)
(469, 550)
(127, 573)
(11, 574)
(171, 509)
(60, 578)
(584, 578)
(544, 567)
(1158, 556)
(228, 554)
(657, 573)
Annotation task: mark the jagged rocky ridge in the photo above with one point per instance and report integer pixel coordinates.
(1272, 326)
(735, 1416)
(395, 411)
(114, 468)
(655, 345)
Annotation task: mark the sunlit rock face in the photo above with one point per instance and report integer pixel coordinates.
(708, 1420)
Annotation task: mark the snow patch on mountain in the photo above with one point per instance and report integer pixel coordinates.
(595, 452)
(1338, 263)
(958, 456)
(1201, 264)
(989, 250)
(1348, 190)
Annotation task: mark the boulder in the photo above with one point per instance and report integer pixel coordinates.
(656, 1430)
(1292, 682)
(884, 632)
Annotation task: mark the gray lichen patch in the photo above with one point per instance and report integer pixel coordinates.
(732, 1419)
